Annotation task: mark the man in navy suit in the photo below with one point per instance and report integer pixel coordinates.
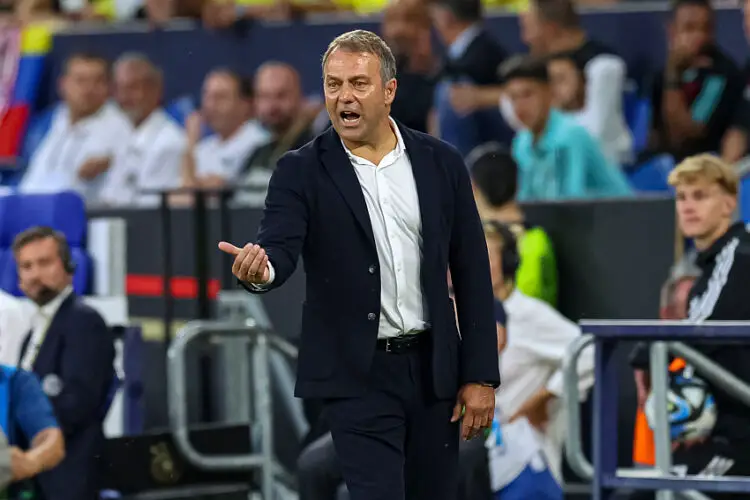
(379, 212)
(72, 352)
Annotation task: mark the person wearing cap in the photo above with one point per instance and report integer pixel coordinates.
(557, 158)
(31, 441)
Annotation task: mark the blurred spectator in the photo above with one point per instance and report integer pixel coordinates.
(557, 158)
(152, 156)
(737, 138)
(528, 431)
(281, 110)
(84, 134)
(553, 27)
(15, 324)
(494, 175)
(406, 29)
(30, 438)
(72, 352)
(696, 95)
(673, 306)
(226, 107)
(472, 59)
(567, 82)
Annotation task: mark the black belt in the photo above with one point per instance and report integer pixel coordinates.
(401, 344)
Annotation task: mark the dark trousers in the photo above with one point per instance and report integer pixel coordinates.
(319, 471)
(396, 441)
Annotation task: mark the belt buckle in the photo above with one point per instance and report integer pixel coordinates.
(388, 345)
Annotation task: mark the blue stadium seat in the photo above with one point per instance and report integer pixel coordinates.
(651, 176)
(65, 212)
(637, 112)
(745, 197)
(179, 108)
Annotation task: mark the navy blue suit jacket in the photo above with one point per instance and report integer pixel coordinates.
(79, 349)
(315, 207)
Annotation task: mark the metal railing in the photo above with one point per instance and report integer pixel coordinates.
(604, 335)
(261, 429)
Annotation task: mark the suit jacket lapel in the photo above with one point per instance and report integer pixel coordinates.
(342, 172)
(425, 173)
(53, 330)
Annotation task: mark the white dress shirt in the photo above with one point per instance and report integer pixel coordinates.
(66, 147)
(150, 160)
(390, 193)
(40, 323)
(538, 339)
(225, 158)
(15, 324)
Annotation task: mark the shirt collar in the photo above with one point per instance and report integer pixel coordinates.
(709, 255)
(400, 144)
(149, 128)
(511, 302)
(462, 42)
(49, 309)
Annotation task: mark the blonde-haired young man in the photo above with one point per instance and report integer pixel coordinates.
(706, 200)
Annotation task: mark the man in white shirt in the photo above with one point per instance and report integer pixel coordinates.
(226, 108)
(85, 131)
(15, 324)
(525, 445)
(151, 159)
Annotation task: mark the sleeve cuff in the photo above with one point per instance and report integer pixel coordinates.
(271, 276)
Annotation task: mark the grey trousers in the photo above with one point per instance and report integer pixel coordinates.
(320, 478)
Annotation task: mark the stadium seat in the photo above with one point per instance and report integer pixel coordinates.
(180, 108)
(745, 195)
(637, 112)
(65, 212)
(651, 176)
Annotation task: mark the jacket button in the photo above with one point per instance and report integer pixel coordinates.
(372, 269)
(372, 316)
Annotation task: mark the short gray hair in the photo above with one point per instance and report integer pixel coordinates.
(369, 43)
(152, 70)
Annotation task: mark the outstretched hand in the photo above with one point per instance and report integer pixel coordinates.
(250, 262)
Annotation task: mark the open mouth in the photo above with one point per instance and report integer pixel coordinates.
(349, 117)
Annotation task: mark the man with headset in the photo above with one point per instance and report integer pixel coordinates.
(525, 445)
(72, 352)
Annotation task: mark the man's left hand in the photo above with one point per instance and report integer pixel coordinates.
(478, 404)
(22, 465)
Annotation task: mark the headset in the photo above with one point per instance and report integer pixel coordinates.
(510, 256)
(65, 255)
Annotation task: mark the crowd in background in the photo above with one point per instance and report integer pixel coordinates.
(559, 110)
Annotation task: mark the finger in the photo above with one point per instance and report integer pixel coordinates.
(469, 426)
(256, 269)
(248, 261)
(239, 259)
(457, 412)
(227, 247)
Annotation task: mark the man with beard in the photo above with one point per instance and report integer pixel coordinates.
(71, 351)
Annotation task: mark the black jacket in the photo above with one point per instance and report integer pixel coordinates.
(315, 209)
(720, 294)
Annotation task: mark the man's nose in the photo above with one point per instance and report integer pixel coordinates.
(346, 94)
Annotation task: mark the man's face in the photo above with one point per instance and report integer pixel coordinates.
(356, 99)
(534, 32)
(703, 209)
(403, 23)
(691, 30)
(85, 86)
(41, 274)
(531, 101)
(135, 91)
(278, 98)
(566, 84)
(222, 106)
